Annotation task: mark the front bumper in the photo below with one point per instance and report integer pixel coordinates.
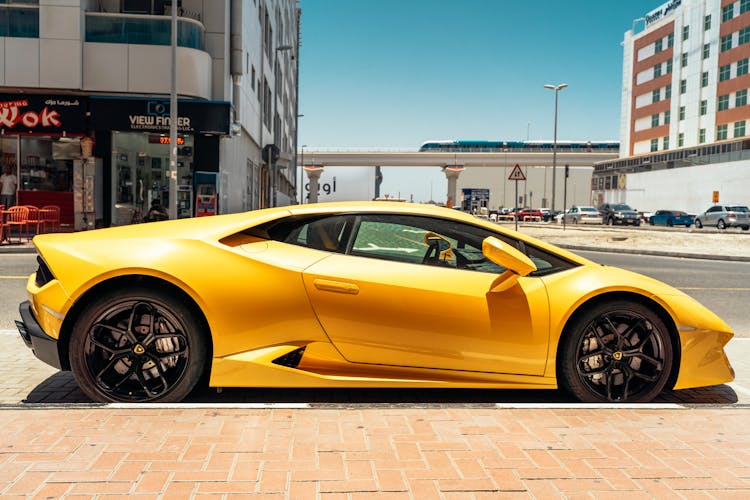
(42, 345)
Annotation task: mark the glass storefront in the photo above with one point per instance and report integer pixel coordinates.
(140, 167)
(41, 163)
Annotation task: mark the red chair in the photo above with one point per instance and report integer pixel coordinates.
(33, 219)
(16, 217)
(51, 215)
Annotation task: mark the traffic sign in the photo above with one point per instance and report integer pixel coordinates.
(517, 174)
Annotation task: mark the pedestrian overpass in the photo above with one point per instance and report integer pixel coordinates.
(314, 161)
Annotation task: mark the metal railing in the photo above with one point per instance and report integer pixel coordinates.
(143, 29)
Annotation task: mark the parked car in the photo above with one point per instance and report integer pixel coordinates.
(671, 218)
(619, 213)
(583, 215)
(552, 215)
(528, 213)
(724, 216)
(356, 295)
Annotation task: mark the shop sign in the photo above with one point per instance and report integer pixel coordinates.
(41, 114)
(154, 115)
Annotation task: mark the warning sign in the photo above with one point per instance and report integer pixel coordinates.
(517, 174)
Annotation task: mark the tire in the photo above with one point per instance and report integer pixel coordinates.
(617, 351)
(745, 228)
(698, 223)
(721, 224)
(670, 223)
(651, 221)
(137, 345)
(611, 221)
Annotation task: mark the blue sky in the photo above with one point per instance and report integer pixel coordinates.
(395, 73)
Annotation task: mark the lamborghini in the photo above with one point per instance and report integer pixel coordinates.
(359, 294)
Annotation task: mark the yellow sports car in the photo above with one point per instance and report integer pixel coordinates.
(371, 294)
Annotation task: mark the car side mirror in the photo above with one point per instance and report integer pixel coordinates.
(516, 264)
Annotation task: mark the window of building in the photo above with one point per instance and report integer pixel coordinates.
(740, 98)
(667, 117)
(685, 32)
(252, 77)
(654, 144)
(702, 136)
(742, 66)
(670, 40)
(654, 120)
(723, 102)
(721, 132)
(658, 46)
(727, 12)
(704, 107)
(726, 43)
(706, 50)
(744, 6)
(657, 71)
(744, 36)
(704, 79)
(680, 139)
(683, 86)
(656, 95)
(682, 113)
(707, 22)
(683, 59)
(725, 72)
(665, 142)
(739, 128)
(669, 66)
(668, 91)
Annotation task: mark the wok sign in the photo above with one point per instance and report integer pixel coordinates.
(41, 114)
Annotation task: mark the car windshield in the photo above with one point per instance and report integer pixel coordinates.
(739, 209)
(622, 207)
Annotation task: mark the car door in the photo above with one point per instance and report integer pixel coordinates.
(391, 300)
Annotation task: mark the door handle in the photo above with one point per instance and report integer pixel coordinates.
(336, 286)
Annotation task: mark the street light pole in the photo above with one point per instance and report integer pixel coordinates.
(557, 89)
(173, 116)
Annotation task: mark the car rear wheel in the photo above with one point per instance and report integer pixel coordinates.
(137, 345)
(670, 223)
(616, 352)
(721, 224)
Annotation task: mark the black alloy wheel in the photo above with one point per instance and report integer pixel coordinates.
(616, 352)
(137, 346)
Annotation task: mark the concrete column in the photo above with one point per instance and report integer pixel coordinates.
(452, 172)
(313, 174)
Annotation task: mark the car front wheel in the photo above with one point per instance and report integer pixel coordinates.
(137, 345)
(618, 351)
(698, 223)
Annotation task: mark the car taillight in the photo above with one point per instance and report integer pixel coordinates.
(730, 214)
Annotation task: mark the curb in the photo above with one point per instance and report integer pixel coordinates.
(656, 253)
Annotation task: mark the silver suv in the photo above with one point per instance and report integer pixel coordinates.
(724, 216)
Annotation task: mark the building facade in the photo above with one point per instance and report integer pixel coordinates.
(85, 108)
(684, 106)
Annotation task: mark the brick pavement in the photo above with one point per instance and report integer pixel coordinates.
(389, 452)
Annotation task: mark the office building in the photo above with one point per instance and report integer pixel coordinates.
(685, 117)
(85, 90)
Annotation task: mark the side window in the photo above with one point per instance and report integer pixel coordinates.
(328, 233)
(422, 240)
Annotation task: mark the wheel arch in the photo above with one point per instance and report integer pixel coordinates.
(120, 283)
(657, 308)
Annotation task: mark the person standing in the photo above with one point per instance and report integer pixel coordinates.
(8, 186)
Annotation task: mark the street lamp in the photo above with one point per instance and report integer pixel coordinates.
(557, 89)
(274, 164)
